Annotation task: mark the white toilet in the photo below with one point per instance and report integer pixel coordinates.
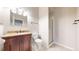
(38, 42)
(1, 40)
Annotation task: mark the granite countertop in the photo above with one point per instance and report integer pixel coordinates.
(15, 34)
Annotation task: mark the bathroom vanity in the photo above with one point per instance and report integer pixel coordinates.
(16, 35)
(17, 41)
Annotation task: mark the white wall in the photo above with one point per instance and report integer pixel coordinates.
(5, 18)
(64, 33)
(44, 24)
(32, 15)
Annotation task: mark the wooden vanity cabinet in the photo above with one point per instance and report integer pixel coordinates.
(18, 43)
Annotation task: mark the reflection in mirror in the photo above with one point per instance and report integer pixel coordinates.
(18, 22)
(18, 17)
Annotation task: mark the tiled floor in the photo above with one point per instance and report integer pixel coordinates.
(53, 48)
(57, 48)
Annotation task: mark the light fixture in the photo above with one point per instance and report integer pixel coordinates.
(19, 11)
(25, 13)
(14, 10)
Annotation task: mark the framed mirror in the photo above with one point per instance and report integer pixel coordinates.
(17, 19)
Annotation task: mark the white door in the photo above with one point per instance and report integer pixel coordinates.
(77, 31)
(51, 31)
(77, 37)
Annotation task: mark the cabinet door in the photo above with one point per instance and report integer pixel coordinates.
(7, 45)
(15, 44)
(27, 42)
(21, 45)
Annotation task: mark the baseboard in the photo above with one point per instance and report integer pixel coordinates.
(51, 44)
(64, 46)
